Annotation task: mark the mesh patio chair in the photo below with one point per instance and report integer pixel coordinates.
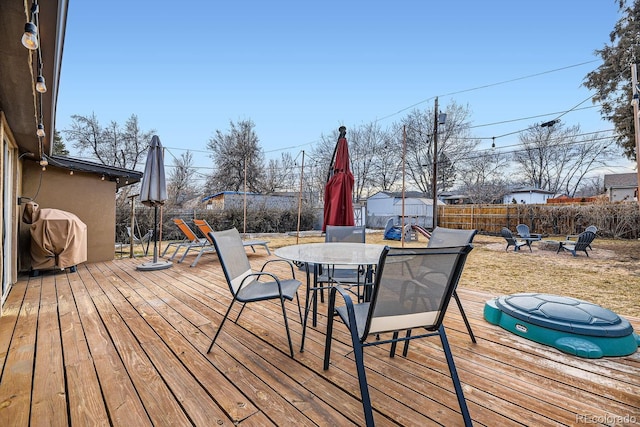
(324, 275)
(246, 285)
(190, 241)
(446, 237)
(413, 287)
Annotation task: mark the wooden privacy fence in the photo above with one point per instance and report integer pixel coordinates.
(612, 220)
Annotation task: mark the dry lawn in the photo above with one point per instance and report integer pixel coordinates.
(610, 276)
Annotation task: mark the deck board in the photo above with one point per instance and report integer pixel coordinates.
(111, 345)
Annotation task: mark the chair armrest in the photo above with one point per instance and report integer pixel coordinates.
(293, 274)
(572, 236)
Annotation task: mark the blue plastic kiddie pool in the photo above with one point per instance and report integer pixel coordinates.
(571, 325)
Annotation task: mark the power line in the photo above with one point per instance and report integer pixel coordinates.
(486, 86)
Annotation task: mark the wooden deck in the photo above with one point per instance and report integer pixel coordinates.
(110, 345)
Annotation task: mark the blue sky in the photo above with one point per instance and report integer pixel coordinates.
(300, 69)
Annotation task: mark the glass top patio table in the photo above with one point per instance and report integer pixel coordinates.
(343, 253)
(340, 253)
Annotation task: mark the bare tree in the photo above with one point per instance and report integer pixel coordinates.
(386, 169)
(180, 187)
(557, 158)
(236, 155)
(365, 143)
(454, 144)
(112, 145)
(482, 176)
(281, 175)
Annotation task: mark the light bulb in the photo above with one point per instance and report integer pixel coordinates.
(40, 84)
(70, 172)
(40, 131)
(30, 36)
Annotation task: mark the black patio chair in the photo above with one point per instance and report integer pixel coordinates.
(523, 232)
(584, 241)
(413, 287)
(245, 285)
(513, 241)
(324, 275)
(591, 228)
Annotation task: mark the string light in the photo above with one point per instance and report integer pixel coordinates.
(41, 86)
(40, 131)
(30, 36)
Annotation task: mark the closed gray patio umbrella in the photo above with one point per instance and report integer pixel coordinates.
(153, 192)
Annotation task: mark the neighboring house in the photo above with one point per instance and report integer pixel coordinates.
(226, 200)
(23, 154)
(621, 187)
(527, 195)
(385, 205)
(454, 199)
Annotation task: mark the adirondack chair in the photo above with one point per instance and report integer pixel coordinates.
(513, 241)
(584, 241)
(592, 228)
(523, 232)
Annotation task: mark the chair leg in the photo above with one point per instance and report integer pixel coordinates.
(286, 325)
(193, 264)
(224, 319)
(464, 316)
(329, 334)
(454, 377)
(362, 378)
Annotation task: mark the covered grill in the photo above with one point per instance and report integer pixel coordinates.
(58, 238)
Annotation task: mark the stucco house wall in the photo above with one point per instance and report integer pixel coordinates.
(83, 194)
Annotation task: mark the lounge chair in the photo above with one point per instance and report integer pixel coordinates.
(245, 285)
(189, 242)
(204, 228)
(584, 241)
(412, 290)
(513, 241)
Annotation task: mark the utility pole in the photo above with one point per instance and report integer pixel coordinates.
(636, 126)
(434, 177)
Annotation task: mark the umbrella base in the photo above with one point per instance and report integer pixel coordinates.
(159, 265)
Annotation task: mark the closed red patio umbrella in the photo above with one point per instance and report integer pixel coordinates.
(338, 203)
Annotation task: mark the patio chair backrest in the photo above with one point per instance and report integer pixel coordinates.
(507, 234)
(344, 233)
(413, 288)
(592, 228)
(204, 228)
(523, 230)
(186, 230)
(232, 256)
(446, 237)
(584, 240)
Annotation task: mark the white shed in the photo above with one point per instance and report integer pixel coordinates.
(384, 205)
